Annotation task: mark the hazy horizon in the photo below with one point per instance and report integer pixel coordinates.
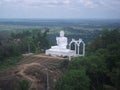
(77, 19)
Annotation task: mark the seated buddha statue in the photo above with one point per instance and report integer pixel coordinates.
(61, 42)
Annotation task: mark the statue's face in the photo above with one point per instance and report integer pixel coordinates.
(61, 33)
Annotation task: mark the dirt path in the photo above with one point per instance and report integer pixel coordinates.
(22, 73)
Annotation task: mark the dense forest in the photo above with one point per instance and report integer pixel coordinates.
(99, 69)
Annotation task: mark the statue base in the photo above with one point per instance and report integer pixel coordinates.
(59, 52)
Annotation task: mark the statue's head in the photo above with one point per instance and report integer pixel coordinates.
(61, 33)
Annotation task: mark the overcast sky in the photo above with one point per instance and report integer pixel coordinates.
(60, 9)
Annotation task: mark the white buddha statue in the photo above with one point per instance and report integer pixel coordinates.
(61, 48)
(61, 42)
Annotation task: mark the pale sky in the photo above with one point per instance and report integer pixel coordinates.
(98, 9)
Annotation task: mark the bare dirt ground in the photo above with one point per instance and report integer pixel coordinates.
(40, 70)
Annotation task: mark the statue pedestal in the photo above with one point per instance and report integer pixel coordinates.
(58, 52)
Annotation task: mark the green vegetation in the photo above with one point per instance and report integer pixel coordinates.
(24, 85)
(99, 69)
(14, 44)
(9, 62)
(74, 80)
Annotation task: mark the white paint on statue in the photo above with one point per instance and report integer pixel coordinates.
(61, 42)
(61, 48)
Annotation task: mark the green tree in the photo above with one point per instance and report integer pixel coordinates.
(73, 80)
(107, 45)
(95, 67)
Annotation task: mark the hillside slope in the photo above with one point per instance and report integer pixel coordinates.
(40, 70)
